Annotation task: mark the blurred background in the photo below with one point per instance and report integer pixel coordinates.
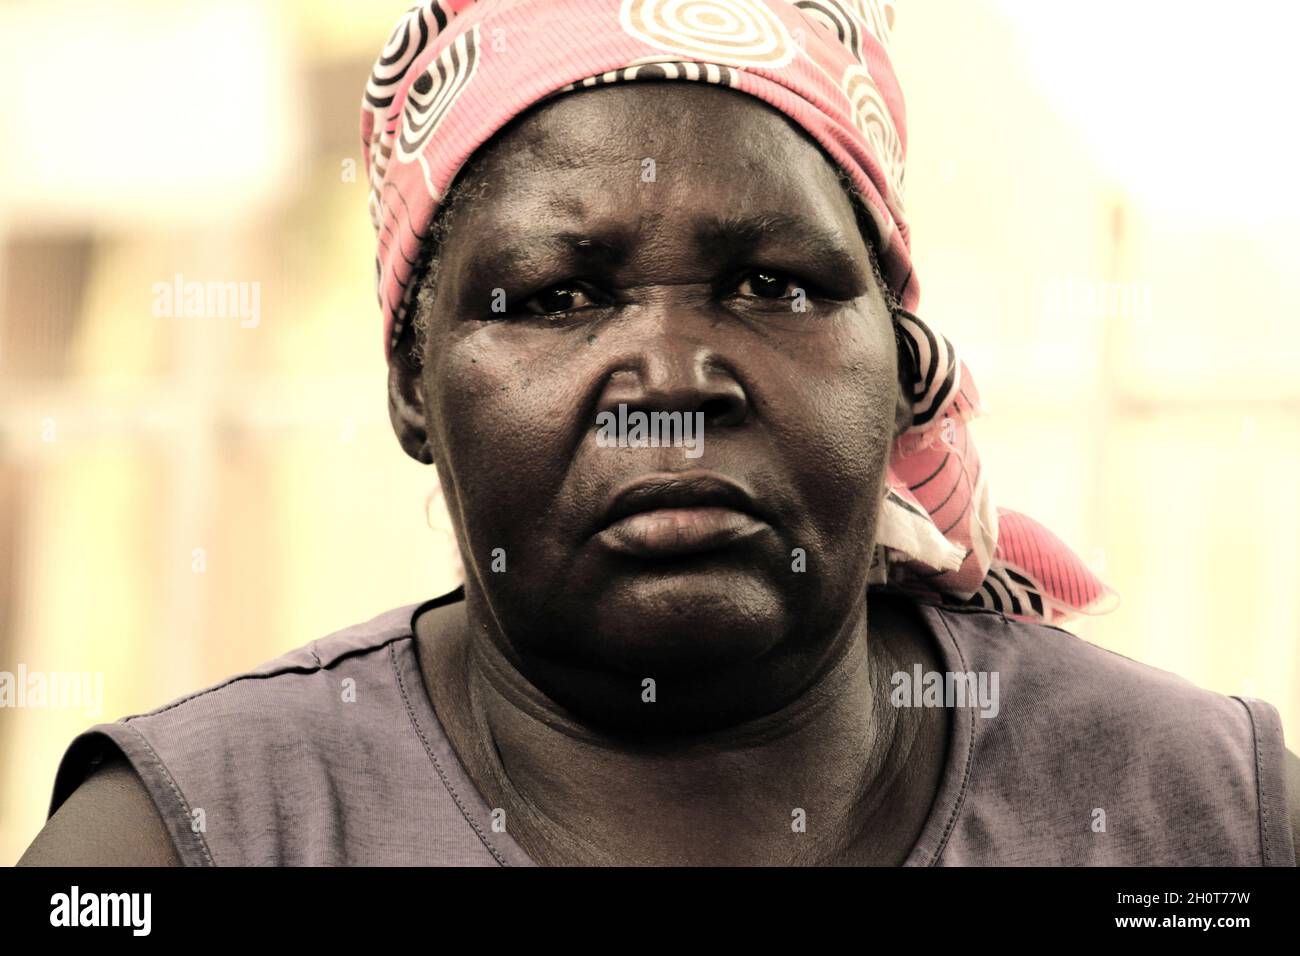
(1106, 223)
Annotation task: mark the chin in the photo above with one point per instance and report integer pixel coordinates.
(675, 622)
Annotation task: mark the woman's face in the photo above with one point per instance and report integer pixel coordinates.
(670, 248)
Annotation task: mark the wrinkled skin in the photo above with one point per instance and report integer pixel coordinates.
(770, 701)
(663, 310)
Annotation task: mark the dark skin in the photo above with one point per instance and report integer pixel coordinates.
(668, 298)
(662, 318)
(761, 671)
(771, 685)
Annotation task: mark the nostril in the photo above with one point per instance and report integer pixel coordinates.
(723, 410)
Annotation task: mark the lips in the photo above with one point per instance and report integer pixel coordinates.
(667, 515)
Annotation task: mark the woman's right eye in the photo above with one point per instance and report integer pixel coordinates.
(559, 299)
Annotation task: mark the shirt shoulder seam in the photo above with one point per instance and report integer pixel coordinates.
(278, 672)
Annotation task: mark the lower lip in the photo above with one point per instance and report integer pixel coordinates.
(667, 532)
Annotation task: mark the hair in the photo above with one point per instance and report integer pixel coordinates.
(469, 184)
(424, 275)
(870, 235)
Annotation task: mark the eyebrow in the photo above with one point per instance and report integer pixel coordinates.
(718, 240)
(726, 236)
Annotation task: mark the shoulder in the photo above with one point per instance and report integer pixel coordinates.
(272, 712)
(1082, 729)
(110, 820)
(232, 750)
(1050, 675)
(300, 687)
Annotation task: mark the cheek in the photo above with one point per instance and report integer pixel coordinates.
(507, 413)
(505, 425)
(841, 401)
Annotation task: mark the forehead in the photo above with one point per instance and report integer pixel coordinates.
(655, 148)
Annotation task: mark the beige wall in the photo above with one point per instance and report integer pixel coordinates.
(1136, 358)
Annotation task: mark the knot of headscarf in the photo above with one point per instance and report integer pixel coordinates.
(454, 72)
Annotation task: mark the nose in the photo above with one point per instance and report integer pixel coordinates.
(669, 365)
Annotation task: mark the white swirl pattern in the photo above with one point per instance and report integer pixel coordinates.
(733, 32)
(407, 41)
(871, 116)
(434, 91)
(849, 20)
(413, 33)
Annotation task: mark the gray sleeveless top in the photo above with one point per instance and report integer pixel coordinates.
(333, 754)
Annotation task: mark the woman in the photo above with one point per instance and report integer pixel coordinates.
(668, 651)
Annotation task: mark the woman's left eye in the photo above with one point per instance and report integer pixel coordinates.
(768, 284)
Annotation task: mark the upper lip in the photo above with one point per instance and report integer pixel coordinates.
(669, 490)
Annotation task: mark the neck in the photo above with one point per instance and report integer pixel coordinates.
(828, 777)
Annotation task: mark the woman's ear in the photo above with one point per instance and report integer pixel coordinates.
(406, 404)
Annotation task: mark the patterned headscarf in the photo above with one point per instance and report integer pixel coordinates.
(454, 72)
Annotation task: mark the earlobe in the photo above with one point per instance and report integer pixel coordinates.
(406, 409)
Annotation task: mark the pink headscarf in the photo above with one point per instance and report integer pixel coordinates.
(454, 72)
